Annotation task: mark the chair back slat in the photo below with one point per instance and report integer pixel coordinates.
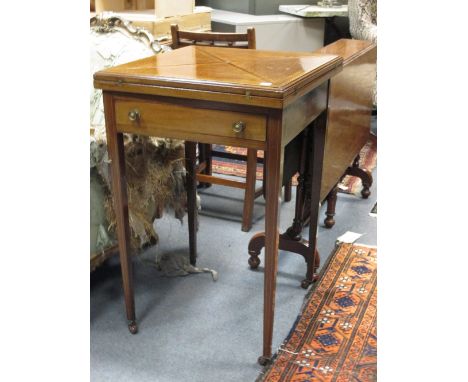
(228, 40)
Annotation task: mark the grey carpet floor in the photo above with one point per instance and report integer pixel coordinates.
(192, 328)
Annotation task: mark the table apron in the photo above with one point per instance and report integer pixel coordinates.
(303, 111)
(170, 120)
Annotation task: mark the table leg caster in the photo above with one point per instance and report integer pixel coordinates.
(262, 360)
(132, 326)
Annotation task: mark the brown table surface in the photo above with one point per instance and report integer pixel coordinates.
(198, 94)
(271, 78)
(349, 108)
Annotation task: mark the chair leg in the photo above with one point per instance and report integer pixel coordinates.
(204, 156)
(251, 177)
(208, 159)
(191, 185)
(201, 160)
(288, 190)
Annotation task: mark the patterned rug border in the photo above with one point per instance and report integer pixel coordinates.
(266, 369)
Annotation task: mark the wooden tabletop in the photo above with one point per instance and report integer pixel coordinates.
(251, 77)
(348, 49)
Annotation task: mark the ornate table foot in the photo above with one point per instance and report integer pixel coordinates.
(256, 243)
(286, 243)
(363, 174)
(329, 220)
(132, 326)
(262, 360)
(312, 266)
(254, 260)
(365, 190)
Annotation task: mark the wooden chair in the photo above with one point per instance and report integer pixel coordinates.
(205, 151)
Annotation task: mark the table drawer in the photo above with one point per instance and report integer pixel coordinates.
(169, 120)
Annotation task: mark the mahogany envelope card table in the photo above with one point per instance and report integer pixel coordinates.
(243, 98)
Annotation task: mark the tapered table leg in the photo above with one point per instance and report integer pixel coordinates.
(191, 186)
(115, 146)
(273, 176)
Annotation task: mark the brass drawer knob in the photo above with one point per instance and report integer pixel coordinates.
(239, 126)
(134, 115)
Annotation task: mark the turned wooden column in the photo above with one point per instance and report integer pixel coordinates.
(331, 205)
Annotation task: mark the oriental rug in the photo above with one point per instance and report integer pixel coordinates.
(335, 336)
(234, 167)
(350, 185)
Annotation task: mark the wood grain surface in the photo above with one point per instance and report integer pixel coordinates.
(349, 108)
(250, 77)
(183, 122)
